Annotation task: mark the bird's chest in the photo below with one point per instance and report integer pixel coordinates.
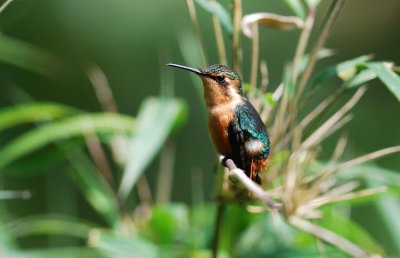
(218, 122)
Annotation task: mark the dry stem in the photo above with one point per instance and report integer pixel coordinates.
(256, 190)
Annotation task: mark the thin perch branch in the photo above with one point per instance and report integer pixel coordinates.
(256, 190)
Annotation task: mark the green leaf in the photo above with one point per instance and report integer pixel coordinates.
(344, 70)
(49, 225)
(30, 57)
(371, 173)
(348, 229)
(61, 252)
(156, 119)
(32, 112)
(96, 190)
(168, 223)
(78, 125)
(113, 246)
(297, 7)
(389, 209)
(290, 87)
(360, 78)
(387, 76)
(38, 163)
(270, 99)
(215, 8)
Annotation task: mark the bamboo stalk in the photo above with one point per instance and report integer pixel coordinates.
(237, 18)
(327, 24)
(193, 18)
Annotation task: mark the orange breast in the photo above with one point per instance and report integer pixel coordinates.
(218, 121)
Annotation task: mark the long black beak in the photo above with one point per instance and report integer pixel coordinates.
(194, 70)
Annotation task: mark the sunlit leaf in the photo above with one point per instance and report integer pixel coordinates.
(113, 246)
(297, 7)
(49, 225)
(61, 252)
(269, 99)
(32, 112)
(30, 57)
(387, 76)
(156, 119)
(215, 8)
(79, 125)
(270, 20)
(360, 78)
(344, 70)
(96, 190)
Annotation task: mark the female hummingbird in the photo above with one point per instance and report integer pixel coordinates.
(235, 127)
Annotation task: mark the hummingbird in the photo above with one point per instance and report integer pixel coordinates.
(235, 127)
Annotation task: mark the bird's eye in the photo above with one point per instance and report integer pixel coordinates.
(220, 78)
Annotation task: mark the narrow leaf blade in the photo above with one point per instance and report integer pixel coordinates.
(215, 8)
(387, 76)
(67, 128)
(32, 112)
(156, 119)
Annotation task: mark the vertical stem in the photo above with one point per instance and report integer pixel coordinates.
(193, 18)
(218, 228)
(237, 18)
(254, 58)
(5, 4)
(219, 38)
(304, 37)
(165, 176)
(332, 13)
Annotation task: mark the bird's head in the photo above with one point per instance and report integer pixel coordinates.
(221, 83)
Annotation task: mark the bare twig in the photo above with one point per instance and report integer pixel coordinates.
(219, 40)
(328, 236)
(165, 176)
(254, 58)
(218, 228)
(256, 190)
(237, 18)
(302, 44)
(8, 194)
(193, 18)
(102, 88)
(99, 157)
(5, 4)
(327, 25)
(368, 157)
(325, 127)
